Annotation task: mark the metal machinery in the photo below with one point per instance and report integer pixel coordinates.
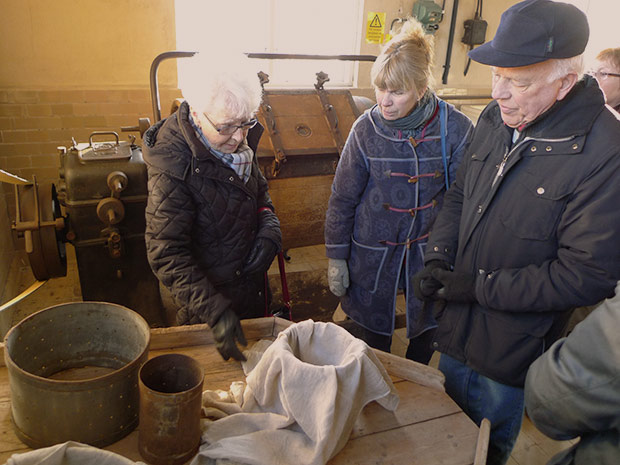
(102, 189)
(98, 202)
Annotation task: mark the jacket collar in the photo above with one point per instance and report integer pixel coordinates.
(383, 130)
(171, 144)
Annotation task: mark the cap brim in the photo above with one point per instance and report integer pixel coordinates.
(488, 55)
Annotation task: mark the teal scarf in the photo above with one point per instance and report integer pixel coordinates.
(418, 116)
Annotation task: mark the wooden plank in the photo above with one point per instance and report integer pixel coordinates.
(5, 391)
(447, 440)
(219, 374)
(482, 447)
(9, 443)
(412, 371)
(200, 334)
(417, 404)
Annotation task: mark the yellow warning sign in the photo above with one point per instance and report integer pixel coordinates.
(375, 25)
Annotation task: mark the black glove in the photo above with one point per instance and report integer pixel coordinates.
(456, 286)
(226, 331)
(261, 256)
(424, 285)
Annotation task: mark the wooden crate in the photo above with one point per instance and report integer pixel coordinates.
(301, 123)
(427, 427)
(298, 127)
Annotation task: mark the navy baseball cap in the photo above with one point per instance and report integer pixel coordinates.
(533, 31)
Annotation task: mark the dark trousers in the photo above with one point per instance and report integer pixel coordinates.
(418, 350)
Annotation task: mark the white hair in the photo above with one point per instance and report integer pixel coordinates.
(563, 66)
(226, 84)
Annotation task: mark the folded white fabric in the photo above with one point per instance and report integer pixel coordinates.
(70, 453)
(301, 400)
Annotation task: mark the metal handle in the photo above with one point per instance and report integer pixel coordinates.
(99, 133)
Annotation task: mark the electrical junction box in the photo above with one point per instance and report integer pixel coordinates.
(475, 32)
(428, 13)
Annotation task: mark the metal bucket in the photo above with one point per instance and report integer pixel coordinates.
(170, 405)
(73, 373)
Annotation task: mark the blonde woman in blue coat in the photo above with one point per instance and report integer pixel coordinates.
(398, 160)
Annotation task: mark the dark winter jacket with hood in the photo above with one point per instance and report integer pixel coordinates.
(543, 240)
(202, 220)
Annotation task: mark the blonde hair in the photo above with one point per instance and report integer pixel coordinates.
(406, 61)
(611, 55)
(226, 83)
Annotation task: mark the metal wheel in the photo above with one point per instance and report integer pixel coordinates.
(40, 219)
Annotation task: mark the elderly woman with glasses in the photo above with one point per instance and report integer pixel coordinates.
(211, 230)
(607, 73)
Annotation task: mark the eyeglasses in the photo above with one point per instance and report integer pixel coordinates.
(601, 75)
(230, 129)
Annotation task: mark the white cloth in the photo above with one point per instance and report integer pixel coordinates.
(301, 399)
(70, 453)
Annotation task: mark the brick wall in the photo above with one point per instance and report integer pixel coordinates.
(33, 123)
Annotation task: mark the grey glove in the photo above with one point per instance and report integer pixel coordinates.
(338, 276)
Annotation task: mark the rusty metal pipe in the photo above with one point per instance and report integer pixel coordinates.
(153, 76)
(170, 403)
(302, 56)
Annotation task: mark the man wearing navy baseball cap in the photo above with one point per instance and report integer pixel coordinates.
(530, 228)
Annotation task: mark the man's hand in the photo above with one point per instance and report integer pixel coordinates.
(262, 254)
(338, 276)
(227, 332)
(424, 284)
(456, 286)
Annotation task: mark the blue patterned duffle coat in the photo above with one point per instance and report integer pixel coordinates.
(386, 194)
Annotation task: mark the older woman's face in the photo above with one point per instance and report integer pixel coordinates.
(609, 84)
(225, 143)
(395, 104)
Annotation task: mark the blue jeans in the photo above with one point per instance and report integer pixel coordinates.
(481, 397)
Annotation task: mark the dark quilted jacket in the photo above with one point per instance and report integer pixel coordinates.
(201, 221)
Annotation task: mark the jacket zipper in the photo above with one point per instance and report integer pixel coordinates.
(500, 168)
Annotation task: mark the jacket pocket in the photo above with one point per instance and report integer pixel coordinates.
(365, 264)
(502, 347)
(537, 204)
(475, 166)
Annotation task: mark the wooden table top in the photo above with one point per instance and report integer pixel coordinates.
(427, 428)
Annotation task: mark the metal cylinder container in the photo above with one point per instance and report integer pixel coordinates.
(170, 404)
(73, 373)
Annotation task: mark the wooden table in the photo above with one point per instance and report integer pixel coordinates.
(427, 428)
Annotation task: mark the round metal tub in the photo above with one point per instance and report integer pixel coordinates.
(73, 373)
